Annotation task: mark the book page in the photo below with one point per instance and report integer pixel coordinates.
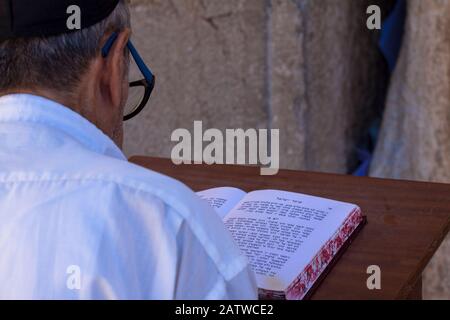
(281, 232)
(222, 199)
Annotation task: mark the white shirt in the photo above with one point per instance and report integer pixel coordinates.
(77, 221)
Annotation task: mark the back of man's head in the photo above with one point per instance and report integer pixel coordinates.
(59, 61)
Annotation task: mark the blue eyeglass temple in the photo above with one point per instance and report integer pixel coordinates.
(148, 75)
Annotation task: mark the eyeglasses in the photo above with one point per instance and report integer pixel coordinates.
(140, 90)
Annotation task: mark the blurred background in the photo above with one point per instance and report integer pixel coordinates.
(346, 99)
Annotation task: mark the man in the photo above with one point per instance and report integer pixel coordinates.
(77, 220)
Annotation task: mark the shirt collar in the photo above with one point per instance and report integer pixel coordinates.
(31, 108)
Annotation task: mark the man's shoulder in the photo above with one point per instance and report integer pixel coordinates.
(202, 221)
(128, 175)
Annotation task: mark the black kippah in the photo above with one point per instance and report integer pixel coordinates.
(43, 18)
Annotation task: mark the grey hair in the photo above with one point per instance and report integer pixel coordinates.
(56, 62)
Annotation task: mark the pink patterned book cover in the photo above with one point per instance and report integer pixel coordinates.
(308, 277)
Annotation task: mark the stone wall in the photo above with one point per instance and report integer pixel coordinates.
(415, 138)
(210, 63)
(308, 68)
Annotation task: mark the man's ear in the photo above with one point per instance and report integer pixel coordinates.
(115, 65)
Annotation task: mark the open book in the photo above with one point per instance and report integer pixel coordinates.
(290, 239)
